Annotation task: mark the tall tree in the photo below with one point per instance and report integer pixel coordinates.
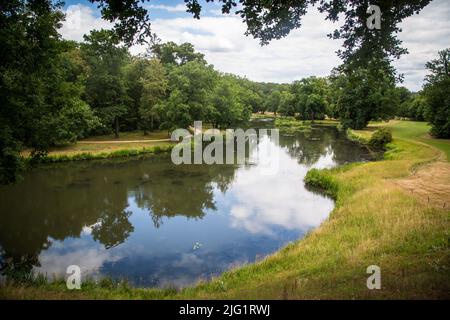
(190, 88)
(286, 106)
(273, 101)
(229, 108)
(437, 93)
(310, 97)
(366, 93)
(105, 85)
(39, 87)
(154, 84)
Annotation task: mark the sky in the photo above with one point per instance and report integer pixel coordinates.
(304, 52)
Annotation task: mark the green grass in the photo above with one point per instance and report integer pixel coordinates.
(409, 130)
(374, 222)
(104, 153)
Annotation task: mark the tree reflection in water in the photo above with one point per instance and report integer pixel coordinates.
(57, 203)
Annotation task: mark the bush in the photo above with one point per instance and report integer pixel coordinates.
(380, 138)
(321, 179)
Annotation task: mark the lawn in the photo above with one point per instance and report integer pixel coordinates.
(107, 144)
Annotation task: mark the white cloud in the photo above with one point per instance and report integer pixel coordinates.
(423, 35)
(305, 52)
(253, 209)
(80, 20)
(178, 8)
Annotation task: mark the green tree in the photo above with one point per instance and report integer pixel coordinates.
(310, 97)
(228, 104)
(190, 88)
(40, 84)
(154, 86)
(286, 106)
(367, 93)
(437, 92)
(105, 84)
(170, 53)
(134, 72)
(273, 101)
(417, 108)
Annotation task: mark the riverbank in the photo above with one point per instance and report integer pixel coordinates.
(106, 147)
(377, 221)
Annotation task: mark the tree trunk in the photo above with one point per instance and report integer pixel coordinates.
(116, 127)
(152, 124)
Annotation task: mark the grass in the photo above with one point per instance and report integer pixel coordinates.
(407, 130)
(98, 147)
(292, 125)
(103, 154)
(375, 222)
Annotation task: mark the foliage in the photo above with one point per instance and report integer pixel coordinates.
(273, 101)
(105, 86)
(170, 53)
(437, 92)
(365, 94)
(154, 85)
(40, 84)
(190, 87)
(286, 105)
(380, 138)
(310, 97)
(228, 108)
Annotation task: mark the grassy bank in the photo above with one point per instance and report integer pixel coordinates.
(107, 147)
(375, 222)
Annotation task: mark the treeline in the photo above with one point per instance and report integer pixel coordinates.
(169, 87)
(356, 96)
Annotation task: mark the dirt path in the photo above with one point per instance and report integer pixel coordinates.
(430, 183)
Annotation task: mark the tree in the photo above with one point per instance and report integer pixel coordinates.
(366, 93)
(40, 84)
(190, 89)
(437, 92)
(286, 106)
(229, 108)
(171, 54)
(404, 97)
(154, 86)
(417, 108)
(105, 85)
(315, 107)
(310, 97)
(273, 101)
(134, 72)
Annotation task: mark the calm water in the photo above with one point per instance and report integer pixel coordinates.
(157, 224)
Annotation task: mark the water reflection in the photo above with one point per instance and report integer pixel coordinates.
(142, 218)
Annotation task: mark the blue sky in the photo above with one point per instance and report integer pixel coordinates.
(305, 52)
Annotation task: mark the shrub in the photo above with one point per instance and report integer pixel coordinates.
(380, 138)
(321, 179)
